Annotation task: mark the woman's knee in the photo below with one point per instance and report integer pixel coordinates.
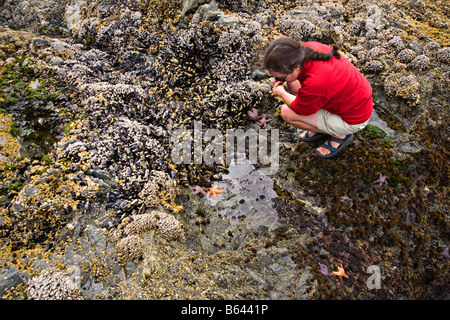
(299, 121)
(286, 113)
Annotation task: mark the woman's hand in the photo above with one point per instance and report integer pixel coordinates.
(275, 81)
(278, 88)
(279, 91)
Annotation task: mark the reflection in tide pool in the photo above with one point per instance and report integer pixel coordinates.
(249, 194)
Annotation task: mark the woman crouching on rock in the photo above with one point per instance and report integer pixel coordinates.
(328, 97)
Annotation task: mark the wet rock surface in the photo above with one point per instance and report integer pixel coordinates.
(94, 207)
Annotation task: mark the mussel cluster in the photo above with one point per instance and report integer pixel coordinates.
(125, 149)
(136, 85)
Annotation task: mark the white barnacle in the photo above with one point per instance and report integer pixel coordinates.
(420, 63)
(52, 284)
(443, 55)
(406, 55)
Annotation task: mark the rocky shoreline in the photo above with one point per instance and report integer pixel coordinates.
(93, 207)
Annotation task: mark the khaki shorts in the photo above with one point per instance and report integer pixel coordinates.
(334, 125)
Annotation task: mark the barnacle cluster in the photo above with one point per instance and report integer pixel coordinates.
(406, 55)
(396, 42)
(141, 223)
(158, 188)
(356, 26)
(374, 66)
(234, 44)
(443, 55)
(374, 53)
(431, 48)
(373, 43)
(390, 55)
(167, 225)
(404, 86)
(52, 284)
(129, 248)
(371, 35)
(302, 29)
(306, 24)
(421, 62)
(409, 88)
(391, 86)
(127, 237)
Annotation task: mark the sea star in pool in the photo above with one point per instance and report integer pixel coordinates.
(324, 270)
(381, 179)
(214, 191)
(253, 115)
(263, 121)
(340, 272)
(198, 189)
(444, 254)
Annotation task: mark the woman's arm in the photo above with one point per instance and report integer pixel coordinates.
(294, 86)
(278, 90)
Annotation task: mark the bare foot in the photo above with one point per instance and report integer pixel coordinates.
(311, 134)
(334, 144)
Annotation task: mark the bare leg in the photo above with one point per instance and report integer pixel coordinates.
(308, 123)
(298, 121)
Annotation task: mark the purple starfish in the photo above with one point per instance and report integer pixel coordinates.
(198, 189)
(444, 254)
(323, 269)
(381, 180)
(343, 198)
(263, 121)
(253, 115)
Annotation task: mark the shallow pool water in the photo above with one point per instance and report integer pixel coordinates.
(249, 194)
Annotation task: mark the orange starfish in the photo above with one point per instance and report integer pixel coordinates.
(340, 272)
(214, 190)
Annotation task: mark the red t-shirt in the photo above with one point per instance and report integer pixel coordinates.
(336, 86)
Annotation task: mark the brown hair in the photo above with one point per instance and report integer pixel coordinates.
(283, 55)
